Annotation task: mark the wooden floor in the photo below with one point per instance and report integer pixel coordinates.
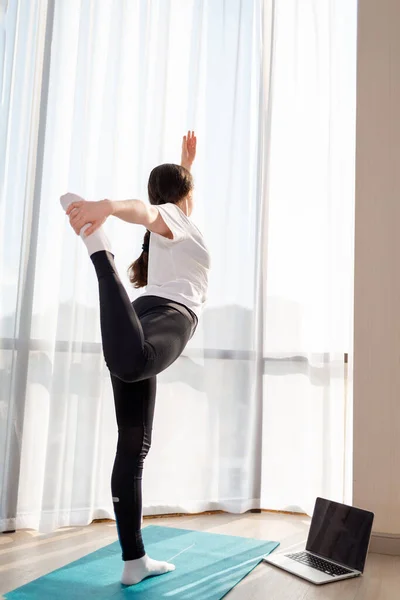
(26, 555)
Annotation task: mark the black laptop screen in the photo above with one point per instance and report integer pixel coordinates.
(340, 532)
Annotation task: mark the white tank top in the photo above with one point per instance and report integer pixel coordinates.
(178, 268)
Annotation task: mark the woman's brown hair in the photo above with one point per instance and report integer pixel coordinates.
(167, 183)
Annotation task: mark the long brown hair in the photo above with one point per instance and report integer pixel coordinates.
(167, 183)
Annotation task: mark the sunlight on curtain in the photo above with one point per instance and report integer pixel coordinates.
(307, 417)
(126, 80)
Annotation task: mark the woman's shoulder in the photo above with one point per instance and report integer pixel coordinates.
(173, 211)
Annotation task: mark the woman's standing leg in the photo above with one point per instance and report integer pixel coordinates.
(134, 407)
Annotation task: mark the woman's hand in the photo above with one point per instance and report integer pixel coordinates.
(83, 212)
(189, 143)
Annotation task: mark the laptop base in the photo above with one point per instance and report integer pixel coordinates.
(314, 576)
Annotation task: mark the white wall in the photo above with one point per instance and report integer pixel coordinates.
(377, 266)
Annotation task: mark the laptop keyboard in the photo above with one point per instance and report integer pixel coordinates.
(319, 563)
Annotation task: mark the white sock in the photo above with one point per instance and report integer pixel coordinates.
(140, 568)
(97, 240)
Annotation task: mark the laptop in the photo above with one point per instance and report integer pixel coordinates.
(337, 544)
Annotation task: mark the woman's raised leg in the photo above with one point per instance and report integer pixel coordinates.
(124, 346)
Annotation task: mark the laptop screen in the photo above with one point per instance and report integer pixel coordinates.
(340, 532)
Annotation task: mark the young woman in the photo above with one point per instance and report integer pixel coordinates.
(143, 338)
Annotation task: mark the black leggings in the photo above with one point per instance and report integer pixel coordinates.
(139, 341)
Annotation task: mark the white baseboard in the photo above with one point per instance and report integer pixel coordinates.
(385, 543)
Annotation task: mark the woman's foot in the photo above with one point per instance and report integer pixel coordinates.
(140, 568)
(96, 241)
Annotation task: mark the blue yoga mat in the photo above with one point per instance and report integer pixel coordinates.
(208, 565)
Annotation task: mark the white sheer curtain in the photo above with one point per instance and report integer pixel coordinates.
(307, 409)
(255, 413)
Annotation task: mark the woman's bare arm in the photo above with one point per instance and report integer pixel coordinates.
(132, 211)
(189, 143)
(137, 211)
